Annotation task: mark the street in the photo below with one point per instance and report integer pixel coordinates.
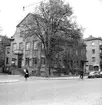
(52, 92)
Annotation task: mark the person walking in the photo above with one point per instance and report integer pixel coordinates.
(26, 75)
(81, 74)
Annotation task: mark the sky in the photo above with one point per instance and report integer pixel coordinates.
(88, 14)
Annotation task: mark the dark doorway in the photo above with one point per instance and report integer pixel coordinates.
(96, 68)
(19, 61)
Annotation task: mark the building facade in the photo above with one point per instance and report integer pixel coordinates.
(28, 51)
(15, 55)
(25, 52)
(94, 53)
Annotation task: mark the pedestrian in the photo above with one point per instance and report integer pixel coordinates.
(26, 73)
(81, 74)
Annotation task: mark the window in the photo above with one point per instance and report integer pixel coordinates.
(30, 63)
(27, 61)
(76, 52)
(100, 51)
(93, 51)
(35, 45)
(7, 60)
(35, 61)
(43, 60)
(100, 43)
(21, 46)
(93, 43)
(27, 45)
(93, 59)
(8, 50)
(14, 46)
(90, 67)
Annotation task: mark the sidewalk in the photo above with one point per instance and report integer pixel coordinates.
(5, 78)
(16, 78)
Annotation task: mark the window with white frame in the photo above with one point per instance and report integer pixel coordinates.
(21, 46)
(35, 45)
(93, 43)
(14, 46)
(27, 45)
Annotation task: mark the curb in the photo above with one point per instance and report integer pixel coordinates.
(8, 81)
(57, 78)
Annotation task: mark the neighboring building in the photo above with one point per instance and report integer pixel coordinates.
(94, 53)
(4, 41)
(7, 56)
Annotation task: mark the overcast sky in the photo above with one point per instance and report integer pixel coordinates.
(88, 13)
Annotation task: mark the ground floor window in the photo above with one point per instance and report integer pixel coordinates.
(7, 60)
(35, 61)
(90, 67)
(43, 60)
(27, 61)
(96, 68)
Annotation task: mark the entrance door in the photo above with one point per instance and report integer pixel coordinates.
(19, 61)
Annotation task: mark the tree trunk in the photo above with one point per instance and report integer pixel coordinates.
(46, 67)
(39, 67)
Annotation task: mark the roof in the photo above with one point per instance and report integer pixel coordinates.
(24, 19)
(27, 16)
(90, 38)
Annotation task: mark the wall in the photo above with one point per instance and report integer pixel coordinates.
(17, 40)
(89, 54)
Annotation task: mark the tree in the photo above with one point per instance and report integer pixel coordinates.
(73, 55)
(3, 43)
(53, 25)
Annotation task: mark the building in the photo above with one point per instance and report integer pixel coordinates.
(28, 51)
(32, 52)
(14, 52)
(94, 53)
(24, 52)
(4, 42)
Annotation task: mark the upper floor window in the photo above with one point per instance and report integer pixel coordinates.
(93, 59)
(93, 51)
(14, 46)
(100, 51)
(27, 45)
(21, 46)
(100, 43)
(35, 45)
(8, 50)
(93, 43)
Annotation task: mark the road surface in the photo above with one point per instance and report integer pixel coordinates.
(52, 92)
